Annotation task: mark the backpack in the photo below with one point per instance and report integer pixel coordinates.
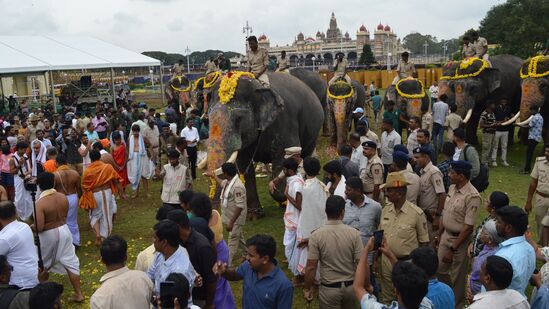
(480, 182)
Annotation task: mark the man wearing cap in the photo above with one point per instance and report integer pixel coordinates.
(34, 126)
(258, 60)
(458, 219)
(400, 163)
(290, 152)
(359, 117)
(340, 69)
(540, 186)
(405, 228)
(432, 194)
(405, 68)
(372, 174)
(389, 138)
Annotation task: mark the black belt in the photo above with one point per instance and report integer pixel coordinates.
(338, 284)
(404, 258)
(542, 194)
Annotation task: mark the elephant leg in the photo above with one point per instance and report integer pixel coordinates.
(471, 129)
(255, 211)
(326, 130)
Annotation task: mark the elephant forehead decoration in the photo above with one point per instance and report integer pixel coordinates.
(466, 68)
(410, 88)
(229, 83)
(340, 90)
(178, 84)
(211, 79)
(535, 67)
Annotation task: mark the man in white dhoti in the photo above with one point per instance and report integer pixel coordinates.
(313, 214)
(55, 237)
(67, 182)
(99, 182)
(20, 168)
(293, 193)
(140, 167)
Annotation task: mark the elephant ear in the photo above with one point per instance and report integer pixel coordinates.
(492, 78)
(390, 95)
(267, 107)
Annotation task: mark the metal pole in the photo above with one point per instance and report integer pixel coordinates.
(53, 92)
(113, 89)
(162, 86)
(2, 89)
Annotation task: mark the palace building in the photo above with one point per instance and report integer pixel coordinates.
(324, 46)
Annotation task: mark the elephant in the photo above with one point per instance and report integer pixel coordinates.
(501, 80)
(340, 113)
(412, 97)
(258, 123)
(535, 91)
(448, 70)
(177, 92)
(201, 92)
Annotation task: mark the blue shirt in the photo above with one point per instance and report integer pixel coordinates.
(440, 294)
(522, 257)
(536, 125)
(376, 102)
(541, 298)
(272, 291)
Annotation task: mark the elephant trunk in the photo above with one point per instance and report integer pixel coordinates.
(340, 113)
(531, 97)
(414, 108)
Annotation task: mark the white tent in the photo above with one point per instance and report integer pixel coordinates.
(22, 54)
(44, 54)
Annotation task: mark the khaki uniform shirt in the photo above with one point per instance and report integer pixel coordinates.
(427, 122)
(210, 67)
(123, 288)
(405, 69)
(372, 175)
(341, 67)
(371, 136)
(404, 230)
(412, 193)
(431, 184)
(152, 135)
(541, 173)
(479, 45)
(236, 199)
(283, 64)
(468, 50)
(258, 61)
(337, 247)
(178, 69)
(32, 130)
(461, 208)
(176, 179)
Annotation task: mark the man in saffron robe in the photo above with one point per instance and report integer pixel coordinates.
(118, 151)
(99, 182)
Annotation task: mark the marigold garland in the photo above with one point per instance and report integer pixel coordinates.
(213, 184)
(210, 79)
(464, 64)
(411, 96)
(228, 85)
(179, 78)
(196, 82)
(533, 68)
(341, 97)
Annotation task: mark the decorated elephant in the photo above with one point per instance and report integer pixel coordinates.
(535, 90)
(177, 92)
(250, 123)
(342, 100)
(475, 82)
(448, 70)
(201, 92)
(409, 95)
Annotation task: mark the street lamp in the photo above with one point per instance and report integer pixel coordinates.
(444, 49)
(389, 55)
(425, 45)
(187, 50)
(152, 78)
(313, 62)
(123, 77)
(247, 30)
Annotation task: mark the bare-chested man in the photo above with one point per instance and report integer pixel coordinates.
(106, 157)
(58, 252)
(67, 181)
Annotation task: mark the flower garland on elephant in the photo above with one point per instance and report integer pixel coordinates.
(228, 85)
(180, 80)
(338, 85)
(419, 95)
(211, 79)
(465, 65)
(533, 67)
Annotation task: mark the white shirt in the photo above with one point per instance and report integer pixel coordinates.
(388, 142)
(340, 189)
(434, 91)
(440, 111)
(412, 141)
(17, 244)
(179, 262)
(358, 157)
(501, 299)
(176, 179)
(190, 135)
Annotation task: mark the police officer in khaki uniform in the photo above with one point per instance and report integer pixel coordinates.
(283, 63)
(400, 164)
(539, 187)
(458, 219)
(233, 207)
(258, 60)
(336, 248)
(432, 194)
(290, 152)
(372, 174)
(405, 228)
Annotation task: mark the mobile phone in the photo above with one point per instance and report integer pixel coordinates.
(378, 238)
(167, 294)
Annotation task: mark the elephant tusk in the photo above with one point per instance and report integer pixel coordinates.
(233, 156)
(525, 122)
(468, 116)
(202, 164)
(510, 121)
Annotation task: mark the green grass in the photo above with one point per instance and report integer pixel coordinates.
(136, 218)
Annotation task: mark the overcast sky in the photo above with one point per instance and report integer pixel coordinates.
(171, 25)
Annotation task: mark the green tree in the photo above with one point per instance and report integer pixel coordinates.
(517, 26)
(367, 56)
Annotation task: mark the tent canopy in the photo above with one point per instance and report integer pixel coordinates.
(21, 54)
